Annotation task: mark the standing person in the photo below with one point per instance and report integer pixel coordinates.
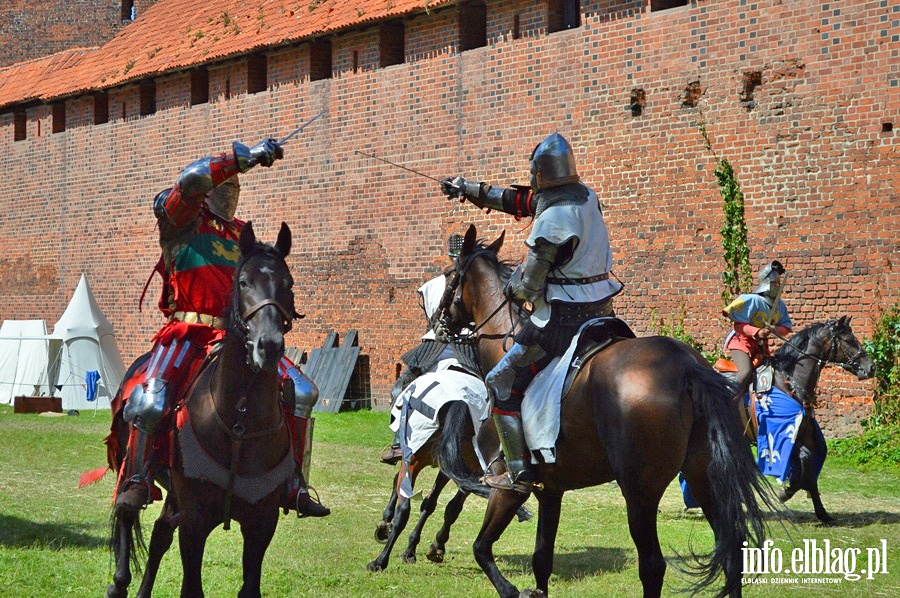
(199, 234)
(565, 277)
(756, 315)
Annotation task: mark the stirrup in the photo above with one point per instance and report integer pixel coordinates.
(391, 455)
(504, 482)
(132, 489)
(313, 507)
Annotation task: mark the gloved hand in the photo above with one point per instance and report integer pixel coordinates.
(266, 152)
(453, 187)
(516, 291)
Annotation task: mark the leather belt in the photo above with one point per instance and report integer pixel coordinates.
(192, 317)
(587, 280)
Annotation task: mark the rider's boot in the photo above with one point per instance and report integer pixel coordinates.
(299, 395)
(520, 474)
(511, 376)
(144, 410)
(393, 454)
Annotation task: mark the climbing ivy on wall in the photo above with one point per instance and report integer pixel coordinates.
(737, 276)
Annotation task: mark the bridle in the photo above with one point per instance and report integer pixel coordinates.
(450, 297)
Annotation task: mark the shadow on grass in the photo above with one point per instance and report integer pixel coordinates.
(21, 533)
(845, 519)
(575, 564)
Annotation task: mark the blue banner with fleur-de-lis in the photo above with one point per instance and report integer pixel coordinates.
(780, 417)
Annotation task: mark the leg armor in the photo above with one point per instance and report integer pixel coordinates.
(505, 384)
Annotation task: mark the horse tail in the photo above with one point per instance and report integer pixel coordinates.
(456, 431)
(126, 532)
(737, 487)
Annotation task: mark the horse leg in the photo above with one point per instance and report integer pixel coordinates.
(160, 541)
(451, 513)
(642, 510)
(428, 507)
(502, 506)
(257, 536)
(192, 542)
(383, 529)
(549, 507)
(808, 480)
(401, 516)
(122, 545)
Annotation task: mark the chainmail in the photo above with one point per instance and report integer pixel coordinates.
(573, 194)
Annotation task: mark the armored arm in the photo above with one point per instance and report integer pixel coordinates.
(530, 285)
(179, 205)
(517, 201)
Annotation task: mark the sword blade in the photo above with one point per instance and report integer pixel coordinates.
(398, 166)
(301, 127)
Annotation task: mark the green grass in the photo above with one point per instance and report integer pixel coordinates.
(53, 535)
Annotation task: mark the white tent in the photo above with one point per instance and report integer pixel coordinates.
(34, 363)
(88, 344)
(24, 351)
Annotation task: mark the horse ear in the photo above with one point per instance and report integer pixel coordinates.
(283, 244)
(469, 240)
(248, 239)
(496, 245)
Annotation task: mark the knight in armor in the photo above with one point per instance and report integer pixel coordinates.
(565, 277)
(755, 316)
(199, 234)
(432, 352)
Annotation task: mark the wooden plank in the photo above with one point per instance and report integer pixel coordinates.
(332, 372)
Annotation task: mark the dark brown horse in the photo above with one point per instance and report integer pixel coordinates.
(639, 412)
(451, 451)
(798, 364)
(236, 422)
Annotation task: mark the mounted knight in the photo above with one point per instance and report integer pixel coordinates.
(565, 278)
(198, 235)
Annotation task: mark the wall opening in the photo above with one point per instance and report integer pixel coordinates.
(199, 86)
(472, 25)
(638, 99)
(58, 112)
(750, 81)
(563, 14)
(666, 4)
(20, 126)
(355, 61)
(516, 30)
(887, 127)
(148, 97)
(101, 108)
(228, 88)
(128, 10)
(692, 94)
(320, 60)
(392, 44)
(257, 73)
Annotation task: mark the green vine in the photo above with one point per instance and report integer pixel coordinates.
(676, 329)
(884, 349)
(737, 276)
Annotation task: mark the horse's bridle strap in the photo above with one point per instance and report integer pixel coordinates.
(250, 311)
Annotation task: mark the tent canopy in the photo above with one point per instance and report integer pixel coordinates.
(82, 342)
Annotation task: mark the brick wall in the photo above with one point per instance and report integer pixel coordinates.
(34, 28)
(813, 149)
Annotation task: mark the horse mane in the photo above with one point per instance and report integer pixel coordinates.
(789, 353)
(504, 268)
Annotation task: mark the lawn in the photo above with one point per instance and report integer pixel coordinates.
(53, 535)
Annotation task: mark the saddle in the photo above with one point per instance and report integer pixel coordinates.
(764, 374)
(595, 336)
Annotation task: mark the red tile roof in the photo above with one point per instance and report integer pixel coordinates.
(177, 34)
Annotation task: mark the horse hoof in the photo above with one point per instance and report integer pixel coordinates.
(113, 592)
(825, 518)
(435, 554)
(532, 594)
(409, 559)
(374, 567)
(383, 531)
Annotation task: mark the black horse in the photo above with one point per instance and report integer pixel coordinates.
(798, 364)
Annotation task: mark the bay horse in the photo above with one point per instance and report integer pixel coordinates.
(236, 421)
(798, 363)
(450, 449)
(639, 411)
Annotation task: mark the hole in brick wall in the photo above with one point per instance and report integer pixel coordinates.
(320, 60)
(257, 73)
(124, 112)
(148, 97)
(750, 81)
(58, 124)
(887, 127)
(638, 99)
(666, 4)
(397, 369)
(101, 108)
(392, 43)
(472, 25)
(563, 14)
(228, 88)
(692, 94)
(355, 61)
(516, 31)
(20, 126)
(199, 86)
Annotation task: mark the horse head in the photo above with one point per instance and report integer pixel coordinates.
(459, 304)
(845, 349)
(262, 309)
